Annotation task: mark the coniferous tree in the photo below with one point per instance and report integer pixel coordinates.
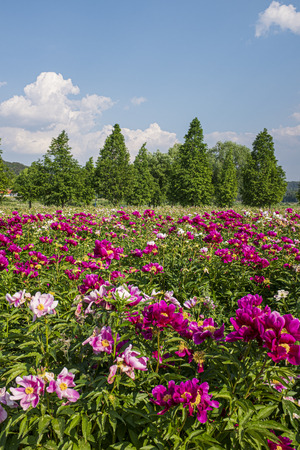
(142, 182)
(62, 182)
(192, 173)
(113, 173)
(87, 194)
(226, 185)
(263, 179)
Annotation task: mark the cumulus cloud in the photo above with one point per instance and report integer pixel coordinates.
(283, 16)
(154, 137)
(239, 138)
(51, 104)
(46, 103)
(137, 101)
(3, 83)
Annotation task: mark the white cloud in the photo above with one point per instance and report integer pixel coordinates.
(137, 101)
(3, 83)
(154, 137)
(46, 103)
(284, 16)
(239, 138)
(29, 122)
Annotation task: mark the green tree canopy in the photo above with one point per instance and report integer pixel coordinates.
(226, 183)
(28, 184)
(263, 179)
(191, 171)
(5, 177)
(87, 190)
(113, 173)
(63, 181)
(143, 183)
(217, 155)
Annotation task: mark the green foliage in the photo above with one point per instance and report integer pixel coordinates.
(191, 172)
(142, 185)
(241, 376)
(28, 184)
(62, 177)
(227, 185)
(217, 156)
(113, 173)
(263, 179)
(5, 177)
(290, 195)
(160, 167)
(87, 190)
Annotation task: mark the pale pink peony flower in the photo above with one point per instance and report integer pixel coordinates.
(127, 362)
(5, 400)
(17, 299)
(42, 304)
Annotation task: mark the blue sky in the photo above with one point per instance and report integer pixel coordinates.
(151, 66)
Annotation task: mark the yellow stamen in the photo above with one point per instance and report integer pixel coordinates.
(63, 386)
(197, 401)
(29, 390)
(199, 357)
(167, 397)
(286, 346)
(182, 346)
(105, 343)
(40, 307)
(210, 328)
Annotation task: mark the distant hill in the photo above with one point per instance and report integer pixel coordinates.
(15, 167)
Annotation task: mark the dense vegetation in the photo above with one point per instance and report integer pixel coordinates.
(149, 329)
(189, 174)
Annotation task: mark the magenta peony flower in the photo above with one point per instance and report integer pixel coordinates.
(3, 262)
(153, 268)
(102, 341)
(42, 304)
(29, 394)
(189, 394)
(284, 444)
(208, 329)
(62, 386)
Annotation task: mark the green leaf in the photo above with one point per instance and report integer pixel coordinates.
(43, 423)
(86, 427)
(23, 427)
(265, 412)
(58, 425)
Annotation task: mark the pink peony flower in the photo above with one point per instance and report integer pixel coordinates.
(5, 399)
(29, 394)
(62, 386)
(127, 362)
(102, 341)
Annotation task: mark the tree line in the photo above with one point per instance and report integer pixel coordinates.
(189, 174)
